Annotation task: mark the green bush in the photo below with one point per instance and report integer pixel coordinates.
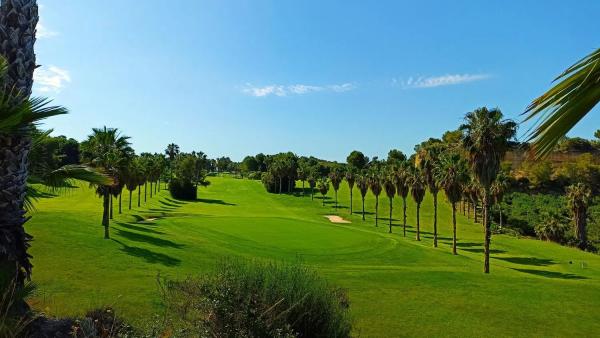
(251, 299)
(183, 190)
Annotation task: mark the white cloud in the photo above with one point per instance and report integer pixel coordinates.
(295, 89)
(43, 31)
(52, 79)
(438, 81)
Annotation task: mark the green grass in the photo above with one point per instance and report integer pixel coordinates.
(397, 286)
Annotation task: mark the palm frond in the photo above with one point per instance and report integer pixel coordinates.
(565, 104)
(62, 177)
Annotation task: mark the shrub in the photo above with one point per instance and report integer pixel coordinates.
(251, 299)
(255, 175)
(183, 190)
(102, 323)
(552, 227)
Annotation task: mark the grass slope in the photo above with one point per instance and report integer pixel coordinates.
(397, 286)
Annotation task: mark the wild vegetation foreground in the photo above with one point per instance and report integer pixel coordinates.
(397, 286)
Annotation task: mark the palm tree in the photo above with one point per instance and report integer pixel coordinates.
(565, 104)
(375, 185)
(312, 183)
(323, 186)
(336, 176)
(389, 184)
(402, 188)
(499, 187)
(132, 177)
(362, 182)
(18, 113)
(427, 158)
(485, 140)
(350, 178)
(417, 191)
(579, 197)
(451, 173)
(172, 151)
(106, 148)
(302, 174)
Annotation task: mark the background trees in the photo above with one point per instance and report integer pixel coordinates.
(485, 139)
(323, 186)
(357, 160)
(188, 174)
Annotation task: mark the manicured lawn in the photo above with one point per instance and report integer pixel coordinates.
(397, 286)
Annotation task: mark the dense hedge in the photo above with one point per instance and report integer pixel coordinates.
(276, 185)
(182, 190)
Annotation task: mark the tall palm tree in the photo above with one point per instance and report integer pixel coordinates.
(106, 148)
(402, 188)
(351, 179)
(417, 191)
(336, 176)
(485, 140)
(565, 104)
(579, 197)
(17, 39)
(323, 186)
(427, 158)
(498, 189)
(172, 151)
(375, 185)
(389, 185)
(132, 177)
(451, 173)
(362, 182)
(312, 183)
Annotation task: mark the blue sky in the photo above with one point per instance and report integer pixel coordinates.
(315, 77)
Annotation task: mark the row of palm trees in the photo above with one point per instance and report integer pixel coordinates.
(110, 151)
(468, 171)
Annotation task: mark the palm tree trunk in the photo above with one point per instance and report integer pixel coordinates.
(105, 213)
(391, 200)
(280, 183)
(120, 194)
(488, 232)
(336, 206)
(350, 201)
(111, 206)
(475, 211)
(151, 189)
(145, 190)
(468, 210)
(418, 224)
(18, 20)
(156, 187)
(130, 193)
(376, 209)
(14, 241)
(404, 215)
(500, 212)
(454, 228)
(139, 194)
(580, 227)
(158, 184)
(435, 234)
(363, 208)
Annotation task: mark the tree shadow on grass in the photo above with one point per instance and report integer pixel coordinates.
(169, 205)
(551, 274)
(131, 226)
(132, 236)
(480, 250)
(148, 255)
(527, 260)
(212, 201)
(175, 202)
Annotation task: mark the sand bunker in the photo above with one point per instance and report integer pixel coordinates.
(337, 219)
